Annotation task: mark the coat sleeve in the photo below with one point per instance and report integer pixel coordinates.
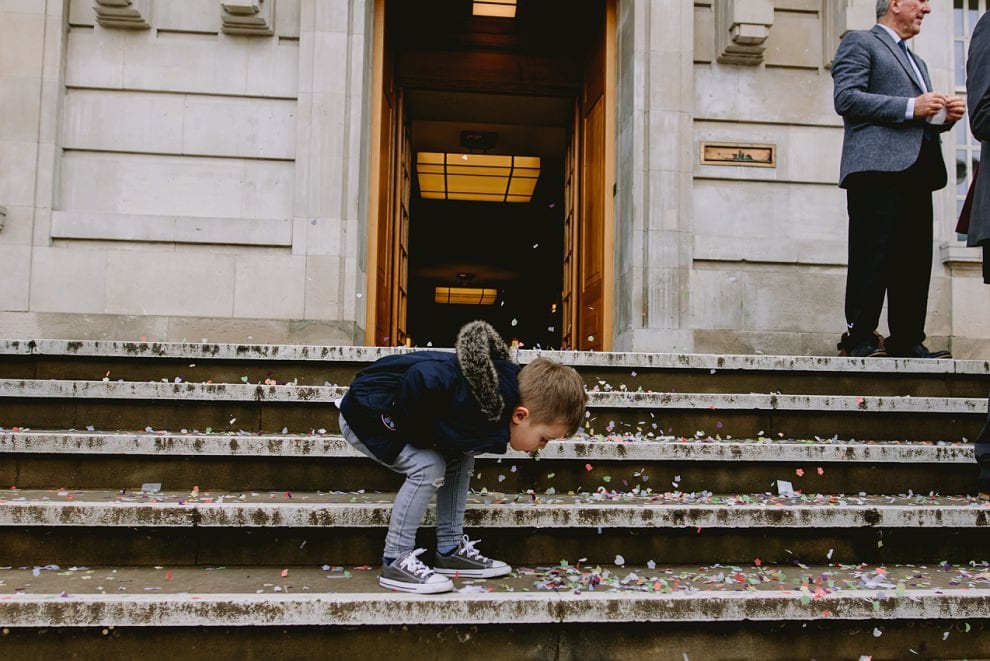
(978, 79)
(851, 70)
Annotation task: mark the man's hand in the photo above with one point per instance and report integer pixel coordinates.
(928, 104)
(955, 108)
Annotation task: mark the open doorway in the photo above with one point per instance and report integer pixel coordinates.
(458, 86)
(502, 259)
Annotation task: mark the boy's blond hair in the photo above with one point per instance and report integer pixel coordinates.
(553, 393)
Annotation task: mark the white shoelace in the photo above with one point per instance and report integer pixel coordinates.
(412, 564)
(468, 549)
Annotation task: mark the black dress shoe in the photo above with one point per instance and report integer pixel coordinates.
(871, 348)
(868, 349)
(920, 351)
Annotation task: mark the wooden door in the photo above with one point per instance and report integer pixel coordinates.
(388, 213)
(379, 324)
(568, 310)
(403, 191)
(591, 231)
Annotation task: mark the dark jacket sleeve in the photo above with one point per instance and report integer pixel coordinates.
(978, 79)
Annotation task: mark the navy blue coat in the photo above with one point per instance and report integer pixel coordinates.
(424, 399)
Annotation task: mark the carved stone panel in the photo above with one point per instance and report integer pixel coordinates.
(251, 17)
(840, 17)
(741, 30)
(127, 14)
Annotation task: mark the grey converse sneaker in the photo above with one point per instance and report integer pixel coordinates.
(468, 562)
(408, 574)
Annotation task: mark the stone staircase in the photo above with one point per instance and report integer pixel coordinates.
(174, 498)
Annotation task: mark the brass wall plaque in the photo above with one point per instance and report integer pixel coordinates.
(725, 153)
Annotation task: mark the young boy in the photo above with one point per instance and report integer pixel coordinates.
(426, 414)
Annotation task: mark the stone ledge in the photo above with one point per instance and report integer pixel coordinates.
(246, 392)
(94, 226)
(381, 608)
(282, 352)
(578, 449)
(95, 508)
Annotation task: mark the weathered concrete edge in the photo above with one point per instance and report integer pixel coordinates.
(664, 449)
(586, 515)
(202, 351)
(241, 392)
(230, 610)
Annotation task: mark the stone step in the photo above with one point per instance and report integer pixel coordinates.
(316, 365)
(268, 408)
(227, 461)
(71, 526)
(561, 611)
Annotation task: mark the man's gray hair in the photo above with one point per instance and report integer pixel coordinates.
(882, 7)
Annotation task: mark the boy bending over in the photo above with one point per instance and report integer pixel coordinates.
(426, 414)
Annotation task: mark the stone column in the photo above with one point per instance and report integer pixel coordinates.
(32, 51)
(653, 209)
(330, 227)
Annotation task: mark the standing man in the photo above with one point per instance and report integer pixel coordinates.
(891, 163)
(978, 100)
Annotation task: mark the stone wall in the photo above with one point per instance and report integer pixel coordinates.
(195, 167)
(752, 260)
(189, 169)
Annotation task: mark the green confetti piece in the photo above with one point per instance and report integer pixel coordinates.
(968, 627)
(876, 605)
(606, 478)
(244, 379)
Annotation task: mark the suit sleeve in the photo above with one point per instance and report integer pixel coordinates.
(978, 79)
(851, 77)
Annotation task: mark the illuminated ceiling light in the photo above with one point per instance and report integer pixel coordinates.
(464, 295)
(496, 8)
(477, 177)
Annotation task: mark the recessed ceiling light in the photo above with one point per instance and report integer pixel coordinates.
(480, 178)
(495, 8)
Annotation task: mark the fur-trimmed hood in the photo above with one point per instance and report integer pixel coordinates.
(478, 345)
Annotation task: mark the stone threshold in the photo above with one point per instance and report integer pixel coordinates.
(581, 447)
(350, 596)
(304, 353)
(601, 509)
(327, 394)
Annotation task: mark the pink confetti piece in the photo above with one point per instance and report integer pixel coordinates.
(821, 471)
(285, 572)
(799, 472)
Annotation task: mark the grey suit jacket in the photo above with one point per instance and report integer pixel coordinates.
(978, 102)
(873, 81)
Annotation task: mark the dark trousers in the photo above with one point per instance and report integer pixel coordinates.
(890, 252)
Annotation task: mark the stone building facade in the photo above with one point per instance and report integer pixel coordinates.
(176, 170)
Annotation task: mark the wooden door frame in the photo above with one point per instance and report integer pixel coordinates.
(608, 234)
(376, 180)
(374, 171)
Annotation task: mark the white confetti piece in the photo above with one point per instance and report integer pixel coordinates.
(785, 488)
(619, 560)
